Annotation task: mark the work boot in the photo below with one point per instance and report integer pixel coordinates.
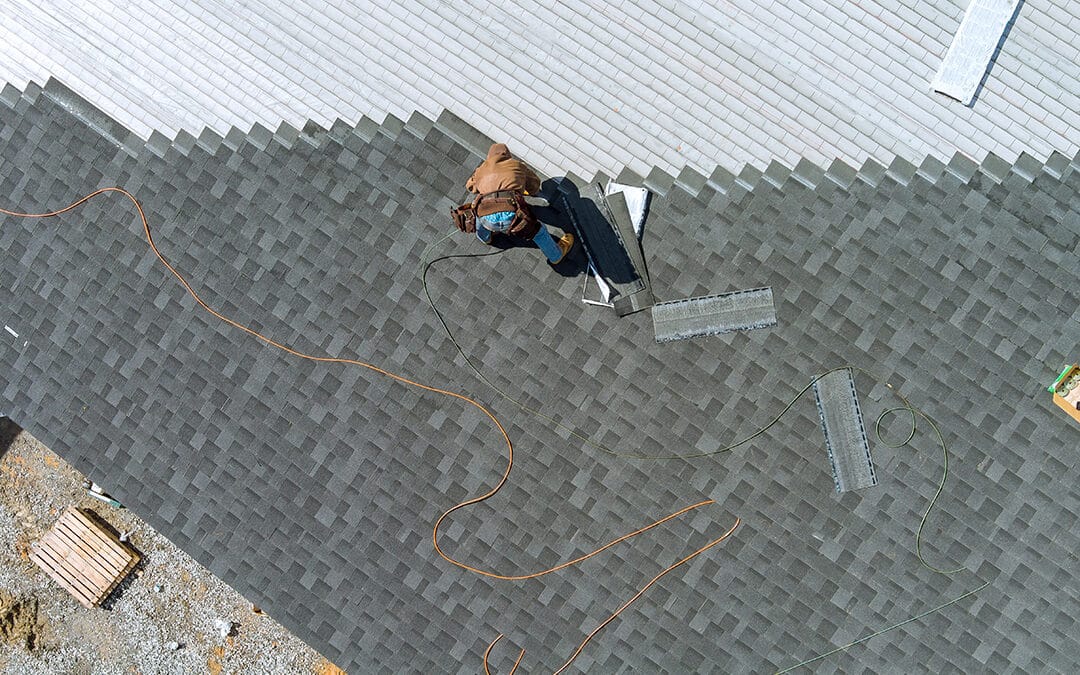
(565, 242)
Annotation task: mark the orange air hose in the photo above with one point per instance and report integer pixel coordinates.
(492, 646)
(619, 611)
(404, 380)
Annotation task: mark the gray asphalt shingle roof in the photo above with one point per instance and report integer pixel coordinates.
(312, 488)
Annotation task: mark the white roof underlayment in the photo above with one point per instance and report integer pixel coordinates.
(574, 86)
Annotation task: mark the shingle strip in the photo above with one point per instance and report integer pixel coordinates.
(845, 434)
(713, 314)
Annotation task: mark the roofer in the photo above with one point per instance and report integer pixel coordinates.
(502, 183)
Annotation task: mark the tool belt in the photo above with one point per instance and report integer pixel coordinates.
(464, 217)
(524, 225)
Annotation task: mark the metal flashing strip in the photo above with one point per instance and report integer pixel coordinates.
(713, 314)
(614, 254)
(637, 203)
(972, 47)
(845, 434)
(618, 214)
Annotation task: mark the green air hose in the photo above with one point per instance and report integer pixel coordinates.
(883, 630)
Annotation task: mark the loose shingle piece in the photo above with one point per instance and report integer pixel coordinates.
(713, 314)
(845, 433)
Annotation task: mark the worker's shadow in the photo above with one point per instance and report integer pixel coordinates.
(572, 212)
(569, 211)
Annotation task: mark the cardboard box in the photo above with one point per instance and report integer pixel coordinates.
(1066, 397)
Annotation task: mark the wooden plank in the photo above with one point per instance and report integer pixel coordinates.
(72, 565)
(96, 536)
(47, 565)
(106, 537)
(75, 565)
(91, 562)
(116, 547)
(108, 563)
(76, 592)
(61, 575)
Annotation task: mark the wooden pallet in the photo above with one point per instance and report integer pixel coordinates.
(84, 557)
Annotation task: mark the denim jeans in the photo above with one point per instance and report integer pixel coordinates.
(498, 222)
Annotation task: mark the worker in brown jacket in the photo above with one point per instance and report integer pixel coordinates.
(501, 183)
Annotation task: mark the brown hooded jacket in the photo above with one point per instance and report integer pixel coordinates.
(502, 171)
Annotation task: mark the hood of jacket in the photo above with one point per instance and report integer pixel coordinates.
(498, 151)
(502, 171)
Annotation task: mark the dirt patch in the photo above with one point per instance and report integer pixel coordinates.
(19, 622)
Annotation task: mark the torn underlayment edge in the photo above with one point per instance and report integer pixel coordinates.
(713, 314)
(845, 434)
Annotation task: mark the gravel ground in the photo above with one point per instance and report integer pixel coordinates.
(169, 600)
